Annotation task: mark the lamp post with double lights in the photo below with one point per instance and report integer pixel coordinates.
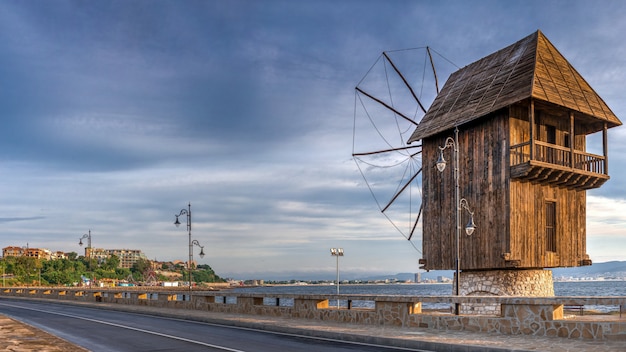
(191, 243)
(461, 203)
(88, 251)
(337, 252)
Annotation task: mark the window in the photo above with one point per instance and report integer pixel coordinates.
(550, 226)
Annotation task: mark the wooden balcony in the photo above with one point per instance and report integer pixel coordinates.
(559, 166)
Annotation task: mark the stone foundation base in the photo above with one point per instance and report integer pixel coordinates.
(515, 282)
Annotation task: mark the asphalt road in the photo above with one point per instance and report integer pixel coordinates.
(103, 330)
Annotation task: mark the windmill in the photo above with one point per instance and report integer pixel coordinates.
(521, 118)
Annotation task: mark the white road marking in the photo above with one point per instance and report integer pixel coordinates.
(226, 326)
(130, 328)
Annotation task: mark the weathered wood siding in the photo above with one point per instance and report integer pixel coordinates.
(509, 214)
(528, 240)
(484, 166)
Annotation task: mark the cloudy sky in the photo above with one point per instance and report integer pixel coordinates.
(116, 114)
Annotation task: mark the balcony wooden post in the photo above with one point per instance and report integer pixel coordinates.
(531, 114)
(605, 148)
(572, 139)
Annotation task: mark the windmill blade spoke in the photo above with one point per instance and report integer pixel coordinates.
(405, 81)
(419, 214)
(401, 190)
(389, 150)
(432, 64)
(415, 154)
(385, 105)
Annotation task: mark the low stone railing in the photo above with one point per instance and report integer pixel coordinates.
(539, 316)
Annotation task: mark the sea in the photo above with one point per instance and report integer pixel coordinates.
(561, 288)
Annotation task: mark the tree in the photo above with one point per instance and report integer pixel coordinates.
(112, 263)
(141, 266)
(206, 274)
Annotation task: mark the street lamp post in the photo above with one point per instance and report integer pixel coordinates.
(461, 203)
(88, 251)
(191, 243)
(337, 252)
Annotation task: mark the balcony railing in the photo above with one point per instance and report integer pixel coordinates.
(557, 165)
(557, 155)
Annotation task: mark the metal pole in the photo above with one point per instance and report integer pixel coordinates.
(337, 252)
(88, 253)
(190, 247)
(458, 219)
(337, 281)
(89, 250)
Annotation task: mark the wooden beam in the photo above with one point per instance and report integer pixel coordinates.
(605, 147)
(571, 139)
(531, 114)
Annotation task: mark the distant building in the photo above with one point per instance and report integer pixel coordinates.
(13, 251)
(254, 282)
(127, 257)
(58, 255)
(38, 253)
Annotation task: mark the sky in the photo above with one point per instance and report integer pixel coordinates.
(118, 114)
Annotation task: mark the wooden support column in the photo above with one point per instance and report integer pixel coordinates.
(605, 147)
(571, 139)
(531, 114)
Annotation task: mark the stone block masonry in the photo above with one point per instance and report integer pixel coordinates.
(515, 282)
(536, 316)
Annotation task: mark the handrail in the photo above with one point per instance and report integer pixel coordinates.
(557, 155)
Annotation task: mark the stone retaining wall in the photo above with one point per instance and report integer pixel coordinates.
(539, 316)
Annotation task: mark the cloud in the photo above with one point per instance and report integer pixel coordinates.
(116, 115)
(22, 219)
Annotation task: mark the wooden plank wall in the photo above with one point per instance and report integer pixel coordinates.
(528, 225)
(484, 167)
(509, 214)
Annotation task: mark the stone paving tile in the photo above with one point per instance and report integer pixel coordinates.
(17, 337)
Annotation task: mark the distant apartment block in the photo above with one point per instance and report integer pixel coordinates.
(38, 253)
(127, 257)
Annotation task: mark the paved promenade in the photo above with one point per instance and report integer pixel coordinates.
(15, 336)
(18, 337)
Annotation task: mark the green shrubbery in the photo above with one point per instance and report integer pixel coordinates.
(70, 271)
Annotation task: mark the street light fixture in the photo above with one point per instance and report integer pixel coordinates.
(88, 251)
(191, 243)
(88, 237)
(461, 203)
(337, 252)
(196, 243)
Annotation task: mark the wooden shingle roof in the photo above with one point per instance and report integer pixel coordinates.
(530, 68)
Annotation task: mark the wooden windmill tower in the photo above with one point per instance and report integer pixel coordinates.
(522, 115)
